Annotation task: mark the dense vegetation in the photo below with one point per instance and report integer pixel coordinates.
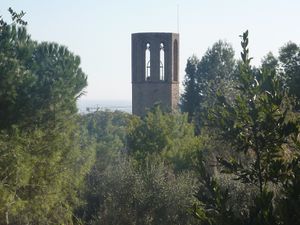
(45, 154)
(252, 111)
(230, 157)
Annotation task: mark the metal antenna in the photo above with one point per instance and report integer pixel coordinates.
(178, 18)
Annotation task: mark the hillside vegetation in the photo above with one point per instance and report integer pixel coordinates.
(230, 156)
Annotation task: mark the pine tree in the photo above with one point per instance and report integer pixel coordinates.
(191, 96)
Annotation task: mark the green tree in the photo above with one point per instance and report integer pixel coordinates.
(270, 62)
(214, 72)
(259, 122)
(289, 200)
(15, 50)
(190, 98)
(108, 131)
(164, 134)
(39, 82)
(289, 57)
(41, 172)
(16, 18)
(216, 69)
(150, 195)
(121, 189)
(44, 153)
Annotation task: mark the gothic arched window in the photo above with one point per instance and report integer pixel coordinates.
(175, 55)
(162, 62)
(147, 62)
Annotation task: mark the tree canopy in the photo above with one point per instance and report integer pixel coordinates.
(260, 123)
(213, 73)
(44, 153)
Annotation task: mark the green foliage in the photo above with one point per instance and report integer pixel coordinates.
(216, 68)
(289, 57)
(167, 135)
(15, 50)
(149, 195)
(107, 126)
(270, 62)
(108, 132)
(289, 201)
(108, 129)
(39, 82)
(214, 72)
(16, 18)
(214, 207)
(143, 169)
(190, 97)
(222, 199)
(261, 123)
(142, 189)
(39, 177)
(258, 123)
(44, 153)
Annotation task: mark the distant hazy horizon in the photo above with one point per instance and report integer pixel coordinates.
(90, 105)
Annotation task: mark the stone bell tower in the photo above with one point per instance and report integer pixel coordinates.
(155, 71)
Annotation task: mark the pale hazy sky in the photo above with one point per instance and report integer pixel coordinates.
(99, 31)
